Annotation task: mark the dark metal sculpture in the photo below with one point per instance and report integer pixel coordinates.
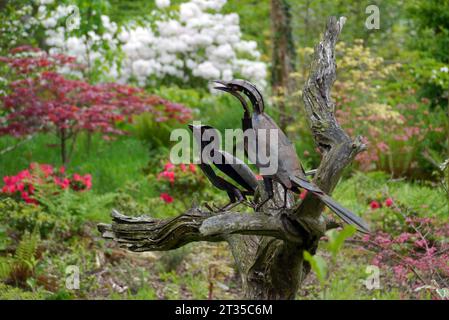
(231, 166)
(267, 246)
(290, 173)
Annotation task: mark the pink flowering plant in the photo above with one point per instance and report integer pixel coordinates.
(178, 182)
(413, 250)
(41, 181)
(45, 198)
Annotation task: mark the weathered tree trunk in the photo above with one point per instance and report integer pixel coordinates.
(267, 246)
(283, 57)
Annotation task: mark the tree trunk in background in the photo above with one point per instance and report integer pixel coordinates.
(283, 57)
(63, 146)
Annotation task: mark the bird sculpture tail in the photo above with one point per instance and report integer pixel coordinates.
(346, 215)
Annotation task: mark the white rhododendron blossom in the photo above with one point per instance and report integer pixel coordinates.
(162, 3)
(195, 41)
(88, 49)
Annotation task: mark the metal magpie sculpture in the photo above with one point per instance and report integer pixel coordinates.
(267, 246)
(290, 173)
(231, 166)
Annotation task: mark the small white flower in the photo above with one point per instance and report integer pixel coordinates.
(444, 69)
(162, 3)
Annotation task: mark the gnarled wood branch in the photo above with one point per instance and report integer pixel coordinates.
(337, 147)
(148, 234)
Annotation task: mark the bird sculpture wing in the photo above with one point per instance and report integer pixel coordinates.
(238, 171)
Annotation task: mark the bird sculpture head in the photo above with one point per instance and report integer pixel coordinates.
(246, 87)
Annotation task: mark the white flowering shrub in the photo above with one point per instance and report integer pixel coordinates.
(16, 24)
(190, 43)
(90, 37)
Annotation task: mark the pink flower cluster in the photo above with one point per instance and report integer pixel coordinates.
(24, 184)
(169, 174)
(377, 205)
(417, 254)
(166, 197)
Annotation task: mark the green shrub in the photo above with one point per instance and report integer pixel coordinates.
(19, 268)
(13, 293)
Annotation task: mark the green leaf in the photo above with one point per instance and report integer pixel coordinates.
(337, 239)
(318, 265)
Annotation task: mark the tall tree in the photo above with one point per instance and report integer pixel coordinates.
(283, 57)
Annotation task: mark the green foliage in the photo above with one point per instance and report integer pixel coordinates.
(310, 19)
(358, 191)
(370, 85)
(318, 265)
(336, 239)
(4, 240)
(144, 293)
(26, 251)
(431, 20)
(13, 293)
(171, 260)
(111, 163)
(334, 245)
(22, 217)
(19, 268)
(56, 216)
(153, 133)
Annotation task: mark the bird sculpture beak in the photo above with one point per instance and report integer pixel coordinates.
(222, 85)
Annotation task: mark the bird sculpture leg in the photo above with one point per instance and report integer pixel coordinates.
(236, 197)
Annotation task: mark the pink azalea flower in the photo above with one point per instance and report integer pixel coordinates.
(374, 205)
(88, 181)
(169, 166)
(389, 202)
(46, 169)
(166, 197)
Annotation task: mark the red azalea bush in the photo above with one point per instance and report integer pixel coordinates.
(178, 182)
(40, 98)
(39, 177)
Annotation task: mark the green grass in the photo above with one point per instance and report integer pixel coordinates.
(112, 164)
(426, 199)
